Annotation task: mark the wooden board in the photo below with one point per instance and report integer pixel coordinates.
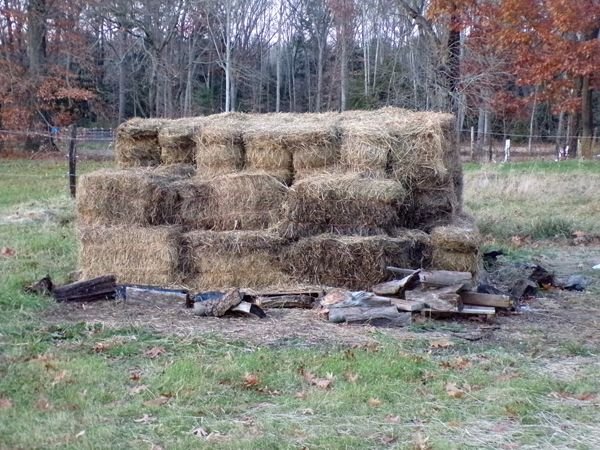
(286, 301)
(407, 305)
(358, 314)
(476, 298)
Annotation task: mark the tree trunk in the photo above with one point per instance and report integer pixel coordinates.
(344, 70)
(122, 74)
(587, 119)
(319, 96)
(453, 71)
(36, 35)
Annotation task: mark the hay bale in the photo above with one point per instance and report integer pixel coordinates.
(458, 261)
(244, 201)
(431, 206)
(456, 238)
(219, 145)
(342, 204)
(145, 255)
(193, 198)
(353, 262)
(136, 143)
(176, 140)
(225, 259)
(365, 146)
(120, 197)
(175, 170)
(265, 144)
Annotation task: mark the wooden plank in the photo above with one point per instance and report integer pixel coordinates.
(286, 301)
(148, 295)
(436, 299)
(475, 309)
(359, 314)
(407, 305)
(100, 288)
(437, 277)
(397, 286)
(340, 298)
(476, 298)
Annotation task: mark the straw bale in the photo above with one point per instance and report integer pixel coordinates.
(431, 206)
(365, 146)
(342, 204)
(457, 261)
(120, 197)
(456, 238)
(219, 145)
(193, 198)
(225, 259)
(244, 201)
(351, 261)
(136, 143)
(176, 140)
(145, 255)
(265, 144)
(179, 170)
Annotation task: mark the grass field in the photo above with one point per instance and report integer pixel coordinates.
(89, 385)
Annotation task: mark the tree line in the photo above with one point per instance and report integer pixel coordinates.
(523, 67)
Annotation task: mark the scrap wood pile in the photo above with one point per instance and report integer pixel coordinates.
(276, 200)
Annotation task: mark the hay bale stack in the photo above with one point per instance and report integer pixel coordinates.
(176, 140)
(244, 201)
(136, 143)
(351, 261)
(220, 260)
(121, 197)
(219, 145)
(175, 170)
(342, 204)
(365, 146)
(145, 255)
(456, 247)
(193, 199)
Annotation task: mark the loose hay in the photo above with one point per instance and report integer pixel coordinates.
(176, 140)
(220, 260)
(353, 262)
(342, 204)
(145, 255)
(219, 145)
(136, 143)
(120, 197)
(244, 201)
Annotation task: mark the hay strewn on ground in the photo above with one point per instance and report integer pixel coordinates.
(119, 197)
(146, 255)
(176, 140)
(136, 143)
(219, 145)
(342, 204)
(354, 262)
(219, 260)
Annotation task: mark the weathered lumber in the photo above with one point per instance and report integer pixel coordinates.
(218, 307)
(435, 299)
(479, 299)
(397, 287)
(136, 294)
(523, 288)
(407, 305)
(100, 288)
(249, 309)
(340, 298)
(286, 301)
(438, 278)
(475, 309)
(362, 314)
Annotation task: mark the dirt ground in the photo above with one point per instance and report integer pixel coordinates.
(552, 320)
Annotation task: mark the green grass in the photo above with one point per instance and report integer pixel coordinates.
(80, 386)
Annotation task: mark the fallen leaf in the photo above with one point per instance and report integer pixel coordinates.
(43, 404)
(135, 375)
(374, 402)
(351, 377)
(59, 377)
(158, 401)
(5, 403)
(7, 252)
(459, 363)
(421, 442)
(392, 419)
(137, 389)
(101, 347)
(388, 439)
(441, 343)
(301, 395)
(454, 391)
(321, 383)
(146, 418)
(81, 433)
(251, 380)
(586, 396)
(154, 352)
(308, 412)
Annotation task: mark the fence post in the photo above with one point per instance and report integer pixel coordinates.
(73, 160)
(472, 143)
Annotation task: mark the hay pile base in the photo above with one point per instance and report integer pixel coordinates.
(145, 255)
(353, 262)
(119, 197)
(456, 247)
(244, 201)
(219, 260)
(219, 146)
(136, 143)
(342, 204)
(176, 140)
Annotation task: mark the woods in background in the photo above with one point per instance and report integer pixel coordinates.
(505, 67)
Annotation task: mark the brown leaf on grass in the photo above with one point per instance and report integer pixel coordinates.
(7, 252)
(158, 401)
(5, 403)
(374, 402)
(101, 347)
(251, 380)
(321, 383)
(138, 389)
(154, 352)
(584, 397)
(389, 439)
(135, 375)
(351, 377)
(421, 442)
(459, 363)
(61, 376)
(43, 404)
(300, 395)
(454, 391)
(146, 418)
(392, 419)
(441, 343)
